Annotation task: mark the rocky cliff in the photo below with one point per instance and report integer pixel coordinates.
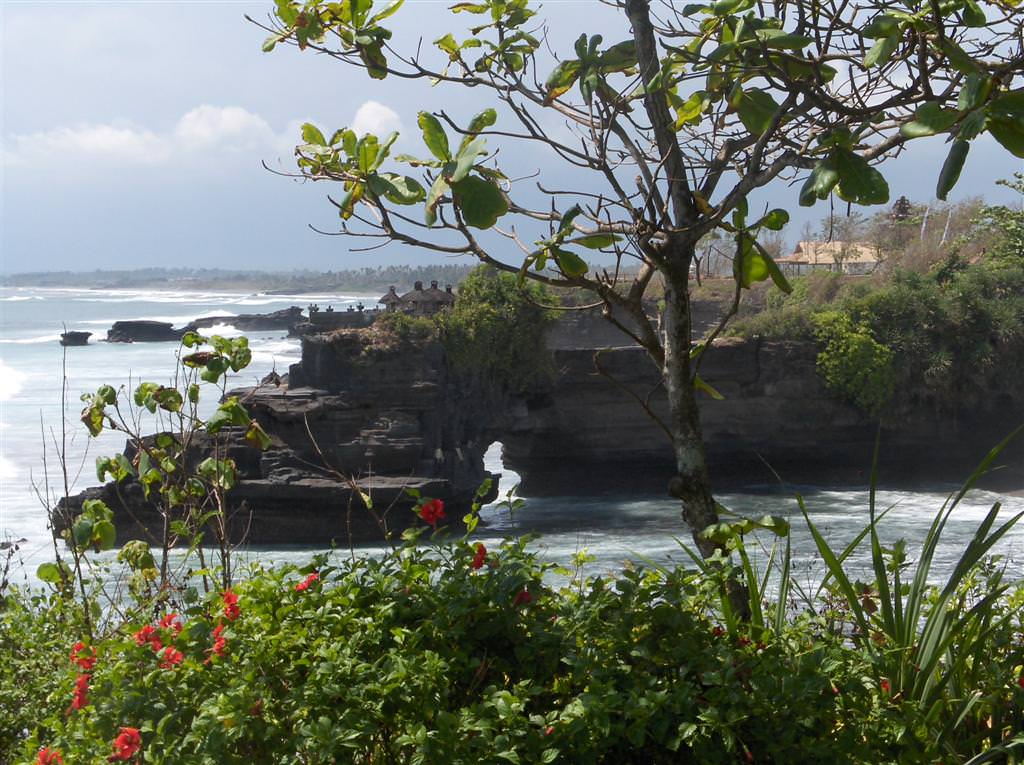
(364, 415)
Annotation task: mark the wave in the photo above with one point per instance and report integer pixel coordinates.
(11, 381)
(31, 340)
(19, 298)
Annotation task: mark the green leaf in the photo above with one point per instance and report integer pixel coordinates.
(748, 266)
(596, 241)
(81, 531)
(1009, 135)
(53, 573)
(467, 157)
(569, 263)
(973, 15)
(561, 79)
(437, 191)
(858, 181)
(312, 134)
(882, 50)
(776, 38)
(480, 201)
(775, 219)
(481, 121)
(689, 112)
(929, 120)
(702, 385)
(434, 136)
(400, 189)
(974, 92)
(972, 125)
(957, 57)
(756, 109)
(366, 152)
(389, 10)
(619, 57)
(257, 437)
(104, 535)
(951, 168)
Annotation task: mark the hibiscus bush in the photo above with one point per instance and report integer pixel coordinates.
(456, 653)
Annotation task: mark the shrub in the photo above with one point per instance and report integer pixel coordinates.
(852, 363)
(496, 330)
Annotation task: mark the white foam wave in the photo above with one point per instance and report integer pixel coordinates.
(31, 340)
(19, 298)
(11, 381)
(8, 470)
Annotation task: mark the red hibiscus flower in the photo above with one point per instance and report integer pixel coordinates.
(231, 610)
(49, 756)
(172, 622)
(305, 583)
(83, 656)
(220, 643)
(432, 511)
(149, 634)
(80, 697)
(171, 657)
(479, 556)
(884, 685)
(126, 745)
(522, 598)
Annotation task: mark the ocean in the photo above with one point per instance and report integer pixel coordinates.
(40, 385)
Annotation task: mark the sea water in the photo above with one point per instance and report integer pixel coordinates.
(40, 385)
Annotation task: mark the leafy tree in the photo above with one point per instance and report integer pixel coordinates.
(677, 122)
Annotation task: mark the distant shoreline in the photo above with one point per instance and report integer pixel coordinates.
(367, 282)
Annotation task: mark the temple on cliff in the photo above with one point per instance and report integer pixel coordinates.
(419, 301)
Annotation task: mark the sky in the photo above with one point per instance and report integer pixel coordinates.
(134, 134)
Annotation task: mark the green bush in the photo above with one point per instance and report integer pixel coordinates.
(496, 330)
(460, 655)
(852, 363)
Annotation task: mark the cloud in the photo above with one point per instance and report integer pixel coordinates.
(374, 117)
(102, 141)
(203, 129)
(232, 126)
(200, 131)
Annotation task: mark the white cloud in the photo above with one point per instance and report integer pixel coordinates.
(203, 129)
(374, 117)
(109, 142)
(200, 131)
(208, 125)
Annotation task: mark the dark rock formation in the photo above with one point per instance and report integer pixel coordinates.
(358, 416)
(286, 319)
(143, 331)
(75, 337)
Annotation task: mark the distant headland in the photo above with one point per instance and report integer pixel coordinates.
(369, 281)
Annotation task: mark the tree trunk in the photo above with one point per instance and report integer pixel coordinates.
(691, 484)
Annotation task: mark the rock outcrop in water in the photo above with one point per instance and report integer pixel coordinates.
(143, 331)
(359, 416)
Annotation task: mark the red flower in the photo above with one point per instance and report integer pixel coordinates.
(884, 685)
(172, 657)
(220, 643)
(718, 630)
(305, 583)
(432, 511)
(83, 656)
(479, 556)
(171, 621)
(148, 634)
(126, 745)
(49, 756)
(1020, 681)
(231, 610)
(80, 697)
(522, 598)
(549, 730)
